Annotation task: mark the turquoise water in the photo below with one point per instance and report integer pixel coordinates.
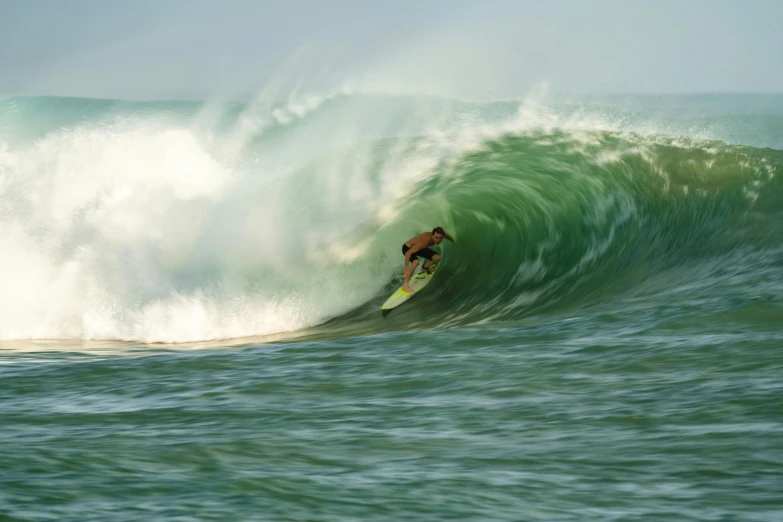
(190, 299)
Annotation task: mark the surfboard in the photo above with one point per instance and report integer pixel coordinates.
(416, 283)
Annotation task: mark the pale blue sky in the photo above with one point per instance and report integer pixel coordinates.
(145, 49)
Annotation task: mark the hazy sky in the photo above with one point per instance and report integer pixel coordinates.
(160, 49)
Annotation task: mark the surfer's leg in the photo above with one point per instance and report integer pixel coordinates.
(408, 273)
(427, 254)
(430, 262)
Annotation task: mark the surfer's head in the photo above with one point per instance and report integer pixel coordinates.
(437, 234)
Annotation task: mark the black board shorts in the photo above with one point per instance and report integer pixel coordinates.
(426, 253)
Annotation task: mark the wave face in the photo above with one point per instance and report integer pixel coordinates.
(181, 222)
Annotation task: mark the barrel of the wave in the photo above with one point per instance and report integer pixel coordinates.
(417, 283)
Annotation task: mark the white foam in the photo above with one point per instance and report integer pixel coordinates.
(146, 230)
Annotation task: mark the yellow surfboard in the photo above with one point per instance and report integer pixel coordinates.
(416, 283)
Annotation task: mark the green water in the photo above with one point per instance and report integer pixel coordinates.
(602, 342)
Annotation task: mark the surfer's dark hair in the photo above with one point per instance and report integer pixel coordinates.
(439, 230)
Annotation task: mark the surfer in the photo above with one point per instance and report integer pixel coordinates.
(418, 246)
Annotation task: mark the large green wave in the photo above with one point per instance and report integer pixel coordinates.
(185, 221)
(552, 220)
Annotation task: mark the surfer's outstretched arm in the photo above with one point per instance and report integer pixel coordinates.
(448, 237)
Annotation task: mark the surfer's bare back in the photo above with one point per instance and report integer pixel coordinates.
(418, 246)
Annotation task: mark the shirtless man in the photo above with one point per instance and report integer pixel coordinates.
(416, 247)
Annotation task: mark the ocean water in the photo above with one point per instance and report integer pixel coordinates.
(190, 324)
